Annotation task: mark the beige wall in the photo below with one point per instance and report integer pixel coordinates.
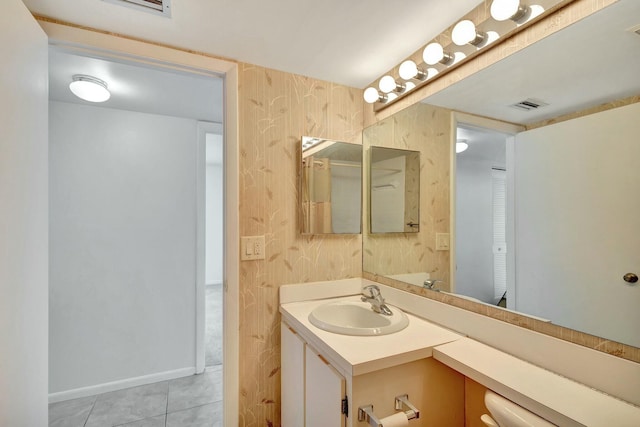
(275, 110)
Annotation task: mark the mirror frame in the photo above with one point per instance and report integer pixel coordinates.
(311, 141)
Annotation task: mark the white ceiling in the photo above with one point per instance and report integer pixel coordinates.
(139, 88)
(592, 62)
(349, 42)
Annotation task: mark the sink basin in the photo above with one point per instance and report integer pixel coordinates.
(357, 318)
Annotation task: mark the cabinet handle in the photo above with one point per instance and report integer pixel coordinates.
(323, 359)
(292, 330)
(630, 278)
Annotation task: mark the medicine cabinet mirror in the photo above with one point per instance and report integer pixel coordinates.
(330, 187)
(394, 190)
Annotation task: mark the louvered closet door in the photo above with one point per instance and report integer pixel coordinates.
(499, 191)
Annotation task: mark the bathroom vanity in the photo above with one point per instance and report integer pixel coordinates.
(327, 377)
(321, 370)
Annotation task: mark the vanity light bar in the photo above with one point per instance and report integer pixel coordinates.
(468, 38)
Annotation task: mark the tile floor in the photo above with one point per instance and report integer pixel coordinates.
(213, 322)
(194, 401)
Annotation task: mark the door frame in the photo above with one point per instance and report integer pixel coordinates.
(204, 128)
(81, 39)
(510, 129)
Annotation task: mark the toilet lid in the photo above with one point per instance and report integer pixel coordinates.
(488, 421)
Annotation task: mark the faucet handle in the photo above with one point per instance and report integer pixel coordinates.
(372, 290)
(430, 283)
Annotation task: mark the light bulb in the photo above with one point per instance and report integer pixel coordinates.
(492, 36)
(89, 88)
(408, 70)
(431, 72)
(458, 56)
(502, 10)
(371, 95)
(387, 84)
(434, 53)
(461, 146)
(535, 10)
(465, 33)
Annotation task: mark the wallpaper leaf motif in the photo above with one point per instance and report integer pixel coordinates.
(276, 109)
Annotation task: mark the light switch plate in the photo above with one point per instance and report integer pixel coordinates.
(442, 241)
(251, 248)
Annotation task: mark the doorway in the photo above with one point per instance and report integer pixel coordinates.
(481, 208)
(481, 214)
(214, 242)
(124, 248)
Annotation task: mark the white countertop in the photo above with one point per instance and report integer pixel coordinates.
(356, 355)
(558, 399)
(554, 397)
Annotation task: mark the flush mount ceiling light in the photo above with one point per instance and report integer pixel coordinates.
(465, 33)
(89, 88)
(461, 145)
(435, 53)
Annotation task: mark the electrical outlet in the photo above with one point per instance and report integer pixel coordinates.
(442, 241)
(251, 248)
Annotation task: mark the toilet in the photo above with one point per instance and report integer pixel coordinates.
(505, 413)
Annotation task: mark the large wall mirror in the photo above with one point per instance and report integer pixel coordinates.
(545, 217)
(330, 187)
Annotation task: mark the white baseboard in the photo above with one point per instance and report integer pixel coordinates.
(120, 384)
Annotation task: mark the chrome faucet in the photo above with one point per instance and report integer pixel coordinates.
(372, 295)
(430, 284)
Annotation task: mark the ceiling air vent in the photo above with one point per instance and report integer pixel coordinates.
(157, 7)
(529, 104)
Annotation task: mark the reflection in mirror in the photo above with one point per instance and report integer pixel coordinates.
(414, 254)
(394, 189)
(571, 183)
(330, 187)
(480, 215)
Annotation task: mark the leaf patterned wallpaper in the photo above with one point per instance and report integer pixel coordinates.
(275, 110)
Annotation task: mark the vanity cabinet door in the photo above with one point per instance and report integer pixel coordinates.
(292, 377)
(324, 391)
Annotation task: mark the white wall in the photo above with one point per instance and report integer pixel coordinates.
(214, 210)
(122, 212)
(577, 219)
(474, 228)
(23, 219)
